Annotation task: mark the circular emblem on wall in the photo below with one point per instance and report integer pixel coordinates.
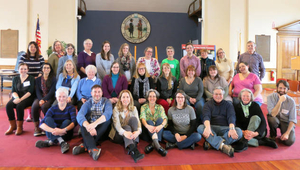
(135, 28)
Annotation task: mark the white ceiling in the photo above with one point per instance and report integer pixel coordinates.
(176, 6)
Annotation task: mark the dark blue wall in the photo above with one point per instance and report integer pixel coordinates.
(166, 29)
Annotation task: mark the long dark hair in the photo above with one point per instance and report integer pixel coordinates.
(103, 53)
(70, 45)
(50, 76)
(37, 53)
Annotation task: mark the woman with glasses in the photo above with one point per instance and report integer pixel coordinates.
(181, 124)
(57, 53)
(141, 83)
(151, 63)
(69, 55)
(114, 83)
(224, 65)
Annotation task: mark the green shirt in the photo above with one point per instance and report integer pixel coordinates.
(175, 67)
(147, 115)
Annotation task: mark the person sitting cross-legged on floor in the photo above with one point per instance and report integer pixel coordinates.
(94, 119)
(59, 122)
(126, 126)
(282, 114)
(181, 124)
(218, 124)
(250, 118)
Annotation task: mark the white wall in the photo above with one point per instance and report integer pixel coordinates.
(57, 21)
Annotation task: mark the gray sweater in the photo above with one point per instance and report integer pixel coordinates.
(210, 84)
(103, 66)
(194, 90)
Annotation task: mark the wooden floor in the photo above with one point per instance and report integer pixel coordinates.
(267, 165)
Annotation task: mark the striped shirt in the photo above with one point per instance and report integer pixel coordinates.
(35, 66)
(60, 115)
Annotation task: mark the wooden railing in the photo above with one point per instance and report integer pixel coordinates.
(81, 7)
(195, 10)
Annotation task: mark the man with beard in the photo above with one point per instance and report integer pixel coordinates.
(94, 119)
(282, 114)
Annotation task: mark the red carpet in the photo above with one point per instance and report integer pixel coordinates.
(20, 151)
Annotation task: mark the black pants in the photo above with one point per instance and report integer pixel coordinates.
(19, 108)
(89, 141)
(35, 108)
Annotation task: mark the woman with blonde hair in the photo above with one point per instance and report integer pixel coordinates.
(126, 61)
(224, 65)
(69, 79)
(70, 54)
(141, 83)
(166, 87)
(126, 126)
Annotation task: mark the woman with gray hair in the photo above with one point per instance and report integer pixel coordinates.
(86, 57)
(85, 85)
(250, 118)
(59, 122)
(154, 119)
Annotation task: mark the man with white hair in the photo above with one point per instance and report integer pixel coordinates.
(94, 119)
(83, 92)
(218, 127)
(59, 122)
(254, 60)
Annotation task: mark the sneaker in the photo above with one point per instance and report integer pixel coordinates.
(37, 132)
(206, 146)
(170, 145)
(228, 150)
(42, 144)
(64, 147)
(28, 119)
(78, 149)
(95, 153)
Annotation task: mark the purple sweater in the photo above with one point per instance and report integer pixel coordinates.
(107, 86)
(84, 60)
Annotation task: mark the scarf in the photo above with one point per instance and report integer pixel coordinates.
(69, 78)
(246, 109)
(125, 61)
(141, 79)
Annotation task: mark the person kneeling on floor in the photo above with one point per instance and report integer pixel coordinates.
(94, 118)
(59, 122)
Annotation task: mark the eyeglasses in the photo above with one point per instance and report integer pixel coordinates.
(141, 68)
(46, 67)
(149, 51)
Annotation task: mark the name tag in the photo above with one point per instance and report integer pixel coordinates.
(284, 111)
(26, 83)
(172, 65)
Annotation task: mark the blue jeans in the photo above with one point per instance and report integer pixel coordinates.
(51, 123)
(220, 134)
(194, 138)
(157, 123)
(199, 107)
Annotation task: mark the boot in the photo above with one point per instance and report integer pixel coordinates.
(19, 130)
(134, 152)
(37, 129)
(12, 127)
(241, 145)
(268, 142)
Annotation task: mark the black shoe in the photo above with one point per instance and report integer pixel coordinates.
(149, 148)
(134, 153)
(78, 149)
(206, 146)
(42, 144)
(241, 145)
(162, 151)
(64, 147)
(170, 145)
(192, 146)
(268, 142)
(95, 153)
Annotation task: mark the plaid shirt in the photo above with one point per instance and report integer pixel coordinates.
(96, 111)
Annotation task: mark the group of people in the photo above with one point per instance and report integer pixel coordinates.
(130, 100)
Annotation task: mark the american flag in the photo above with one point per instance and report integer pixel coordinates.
(38, 39)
